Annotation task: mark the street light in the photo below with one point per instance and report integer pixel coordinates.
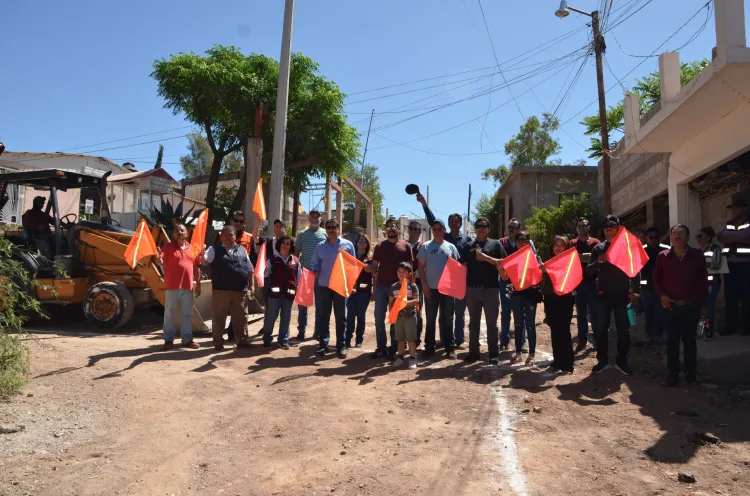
(599, 48)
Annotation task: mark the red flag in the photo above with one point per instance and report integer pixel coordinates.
(453, 280)
(565, 271)
(399, 304)
(306, 289)
(627, 253)
(198, 239)
(346, 270)
(522, 268)
(141, 245)
(259, 204)
(260, 269)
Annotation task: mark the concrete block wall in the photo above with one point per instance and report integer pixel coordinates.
(635, 179)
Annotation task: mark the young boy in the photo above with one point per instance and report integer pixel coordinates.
(406, 325)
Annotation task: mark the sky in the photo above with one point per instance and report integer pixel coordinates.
(76, 74)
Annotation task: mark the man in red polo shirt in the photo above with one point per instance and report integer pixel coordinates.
(181, 277)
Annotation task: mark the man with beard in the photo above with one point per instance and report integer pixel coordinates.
(388, 255)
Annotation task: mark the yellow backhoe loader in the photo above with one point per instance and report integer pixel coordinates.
(82, 262)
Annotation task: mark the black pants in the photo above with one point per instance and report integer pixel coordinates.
(737, 294)
(606, 304)
(478, 299)
(329, 299)
(681, 323)
(559, 313)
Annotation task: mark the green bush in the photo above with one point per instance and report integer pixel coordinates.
(545, 223)
(14, 364)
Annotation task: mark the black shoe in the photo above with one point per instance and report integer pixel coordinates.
(391, 355)
(341, 352)
(168, 345)
(494, 360)
(472, 357)
(378, 354)
(219, 347)
(450, 353)
(315, 336)
(322, 350)
(581, 346)
(348, 344)
(622, 366)
(358, 344)
(428, 353)
(266, 347)
(691, 381)
(708, 335)
(600, 367)
(300, 336)
(243, 343)
(672, 381)
(284, 346)
(230, 337)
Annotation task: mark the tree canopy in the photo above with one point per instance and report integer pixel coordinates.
(371, 187)
(649, 91)
(221, 91)
(199, 158)
(159, 157)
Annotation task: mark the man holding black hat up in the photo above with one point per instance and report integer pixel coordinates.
(614, 289)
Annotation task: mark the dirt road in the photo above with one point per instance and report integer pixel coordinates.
(108, 414)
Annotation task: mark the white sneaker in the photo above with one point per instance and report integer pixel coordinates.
(398, 362)
(413, 362)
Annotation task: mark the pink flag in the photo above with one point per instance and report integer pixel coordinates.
(260, 270)
(453, 280)
(305, 289)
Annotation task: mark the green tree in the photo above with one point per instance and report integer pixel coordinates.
(545, 223)
(489, 206)
(199, 158)
(221, 91)
(223, 204)
(371, 187)
(159, 157)
(648, 91)
(496, 174)
(534, 143)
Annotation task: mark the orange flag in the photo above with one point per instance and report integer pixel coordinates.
(198, 239)
(306, 289)
(626, 253)
(399, 304)
(259, 203)
(453, 280)
(346, 270)
(565, 271)
(260, 270)
(522, 268)
(141, 245)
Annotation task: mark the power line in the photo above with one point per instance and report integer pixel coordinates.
(497, 60)
(129, 138)
(436, 153)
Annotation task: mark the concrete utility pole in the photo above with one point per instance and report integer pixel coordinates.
(468, 208)
(282, 99)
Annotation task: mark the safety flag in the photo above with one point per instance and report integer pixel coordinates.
(346, 270)
(305, 289)
(565, 271)
(141, 245)
(400, 302)
(626, 253)
(522, 268)
(198, 239)
(259, 203)
(453, 280)
(260, 269)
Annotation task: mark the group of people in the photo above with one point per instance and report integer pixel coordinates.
(675, 289)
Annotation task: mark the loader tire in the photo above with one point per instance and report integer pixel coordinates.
(108, 305)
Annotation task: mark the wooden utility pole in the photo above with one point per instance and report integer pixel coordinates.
(599, 48)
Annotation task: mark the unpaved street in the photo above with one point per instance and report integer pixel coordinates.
(109, 414)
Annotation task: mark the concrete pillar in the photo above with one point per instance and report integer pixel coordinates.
(371, 222)
(684, 206)
(669, 76)
(730, 27)
(632, 117)
(650, 212)
(254, 161)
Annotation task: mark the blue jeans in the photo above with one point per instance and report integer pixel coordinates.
(713, 294)
(178, 300)
(302, 311)
(356, 310)
(524, 321)
(459, 330)
(445, 306)
(653, 311)
(274, 306)
(381, 309)
(327, 298)
(585, 307)
(505, 313)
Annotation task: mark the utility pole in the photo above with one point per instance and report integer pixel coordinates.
(282, 99)
(468, 208)
(599, 48)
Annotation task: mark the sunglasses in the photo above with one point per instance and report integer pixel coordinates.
(514, 228)
(610, 226)
(482, 226)
(239, 221)
(362, 242)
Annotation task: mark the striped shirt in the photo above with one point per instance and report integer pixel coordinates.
(306, 243)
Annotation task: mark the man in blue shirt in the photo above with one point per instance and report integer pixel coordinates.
(432, 257)
(460, 241)
(322, 264)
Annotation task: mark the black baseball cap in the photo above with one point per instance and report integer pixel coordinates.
(611, 219)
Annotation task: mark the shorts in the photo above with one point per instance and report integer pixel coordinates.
(406, 329)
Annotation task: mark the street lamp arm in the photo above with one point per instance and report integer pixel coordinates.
(579, 11)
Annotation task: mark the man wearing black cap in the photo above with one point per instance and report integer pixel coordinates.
(432, 257)
(736, 239)
(614, 289)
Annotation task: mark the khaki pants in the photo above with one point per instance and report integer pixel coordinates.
(228, 303)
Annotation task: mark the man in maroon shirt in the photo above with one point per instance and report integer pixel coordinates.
(586, 291)
(385, 261)
(181, 275)
(679, 279)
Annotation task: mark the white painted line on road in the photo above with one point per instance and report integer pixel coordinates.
(507, 446)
